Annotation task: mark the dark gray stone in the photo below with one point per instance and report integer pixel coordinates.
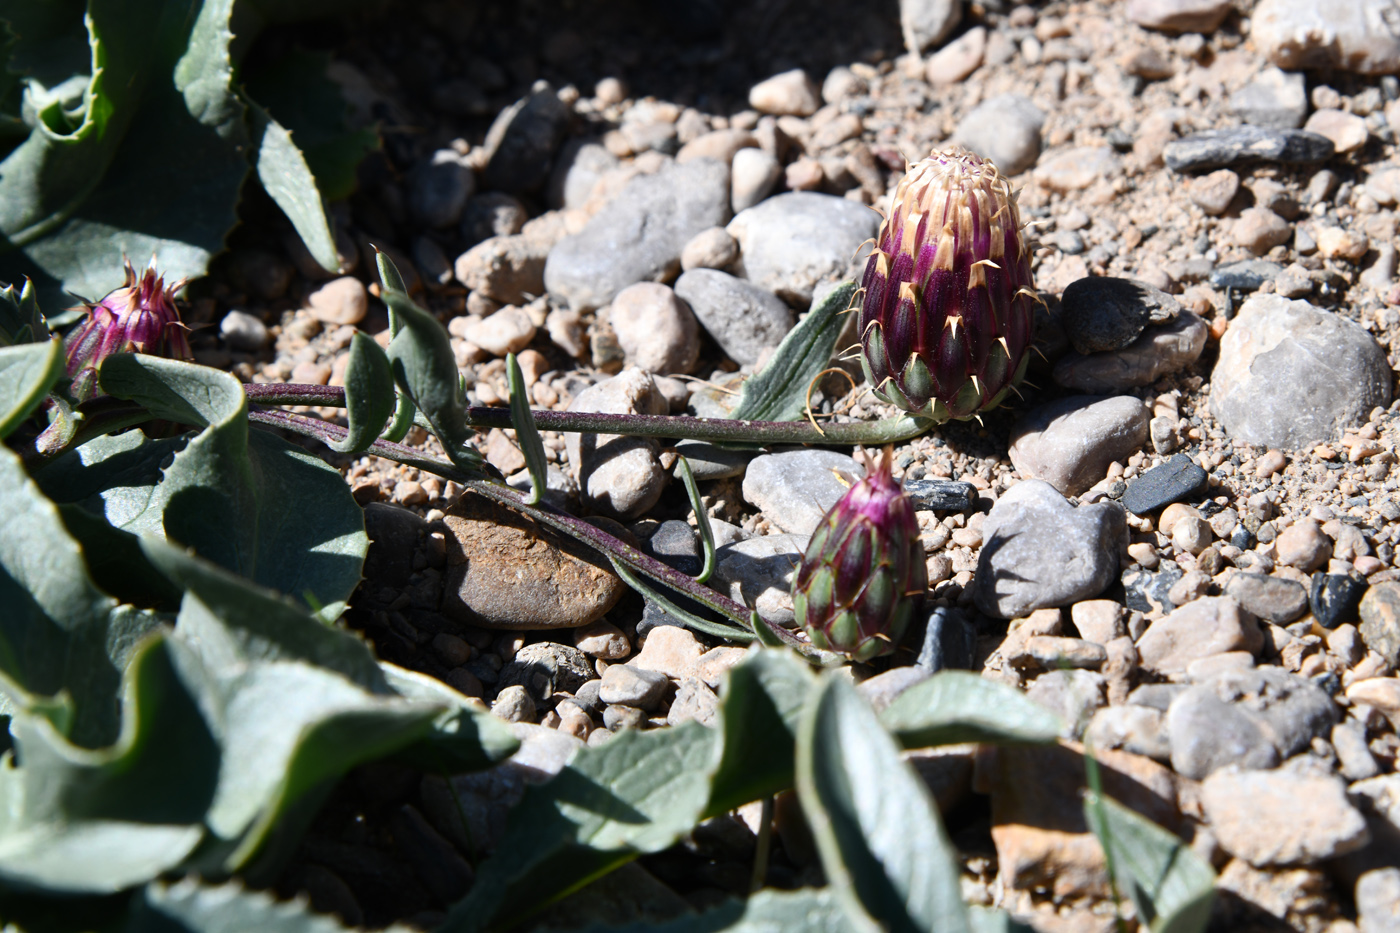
(546, 667)
(676, 545)
(587, 697)
(1146, 592)
(1177, 479)
(435, 862)
(1160, 349)
(393, 537)
(521, 142)
(1273, 598)
(653, 616)
(438, 189)
(1206, 733)
(741, 317)
(1101, 313)
(494, 213)
(1241, 145)
(708, 461)
(623, 717)
(1335, 597)
(941, 495)
(950, 642)
(1246, 275)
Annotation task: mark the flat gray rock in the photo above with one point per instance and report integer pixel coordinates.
(639, 235)
(1291, 375)
(794, 489)
(1157, 351)
(1005, 129)
(1040, 551)
(1354, 35)
(791, 243)
(1275, 99)
(741, 317)
(1070, 442)
(1102, 312)
(758, 573)
(1244, 144)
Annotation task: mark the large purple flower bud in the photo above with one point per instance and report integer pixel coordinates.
(946, 317)
(139, 317)
(863, 575)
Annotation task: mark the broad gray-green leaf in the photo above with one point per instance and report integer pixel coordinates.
(1171, 886)
(955, 706)
(876, 827)
(808, 910)
(763, 702)
(27, 373)
(779, 392)
(188, 906)
(20, 318)
(116, 563)
(113, 476)
(249, 501)
(57, 630)
(369, 394)
(987, 920)
(465, 736)
(286, 177)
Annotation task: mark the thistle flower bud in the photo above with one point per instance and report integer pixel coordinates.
(862, 577)
(139, 317)
(946, 318)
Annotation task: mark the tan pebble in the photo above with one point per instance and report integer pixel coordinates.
(1145, 554)
(602, 640)
(1381, 692)
(805, 175)
(410, 493)
(340, 301)
(1270, 463)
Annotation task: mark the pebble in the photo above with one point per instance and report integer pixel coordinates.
(243, 331)
(742, 317)
(1244, 144)
(603, 640)
(793, 242)
(1291, 375)
(1137, 729)
(514, 704)
(1347, 131)
(1380, 621)
(655, 328)
(1055, 651)
(675, 544)
(790, 93)
(1074, 696)
(1275, 99)
(1303, 545)
(949, 643)
(1354, 757)
(1301, 35)
(1255, 815)
(1106, 313)
(1149, 593)
(1273, 598)
(1158, 350)
(958, 59)
(1378, 901)
(1336, 243)
(522, 141)
(509, 330)
(633, 686)
(753, 175)
(1210, 625)
(492, 213)
(1075, 169)
(1381, 274)
(617, 718)
(694, 700)
(1041, 551)
(507, 269)
(1246, 275)
(339, 301)
(1213, 192)
(758, 573)
(937, 495)
(709, 249)
(1205, 733)
(638, 236)
(795, 489)
(438, 189)
(1070, 442)
(546, 668)
(1005, 129)
(1259, 230)
(1203, 16)
(578, 168)
(720, 145)
(1335, 598)
(1177, 479)
(677, 653)
(618, 476)
(710, 462)
(926, 23)
(1098, 620)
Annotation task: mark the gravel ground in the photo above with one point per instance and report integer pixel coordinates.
(1184, 537)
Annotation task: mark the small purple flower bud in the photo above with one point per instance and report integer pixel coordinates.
(139, 317)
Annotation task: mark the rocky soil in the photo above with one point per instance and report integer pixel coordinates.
(1184, 534)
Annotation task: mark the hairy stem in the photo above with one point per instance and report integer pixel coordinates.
(724, 430)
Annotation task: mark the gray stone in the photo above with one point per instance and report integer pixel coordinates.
(950, 642)
(1101, 313)
(633, 686)
(493, 213)
(1246, 275)
(741, 317)
(1074, 696)
(546, 668)
(1158, 350)
(620, 476)
(694, 700)
(757, 572)
(1179, 15)
(1275, 99)
(926, 23)
(1354, 35)
(1257, 816)
(243, 331)
(754, 173)
(710, 462)
(791, 243)
(1207, 626)
(522, 140)
(1206, 733)
(1137, 729)
(1040, 551)
(438, 189)
(941, 495)
(1354, 758)
(514, 704)
(639, 235)
(796, 488)
(1378, 901)
(1273, 598)
(393, 533)
(655, 328)
(1291, 375)
(676, 545)
(580, 164)
(507, 269)
(1005, 129)
(1150, 593)
(1245, 144)
(623, 717)
(1070, 442)
(1380, 621)
(1177, 479)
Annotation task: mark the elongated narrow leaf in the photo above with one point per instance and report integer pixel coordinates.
(763, 700)
(369, 394)
(523, 420)
(189, 906)
(702, 518)
(691, 620)
(1171, 886)
(27, 373)
(779, 392)
(287, 178)
(877, 829)
(809, 910)
(955, 706)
